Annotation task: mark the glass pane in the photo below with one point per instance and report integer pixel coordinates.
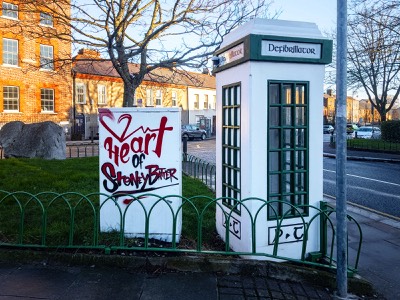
(287, 183)
(300, 94)
(287, 94)
(287, 138)
(287, 116)
(300, 182)
(287, 207)
(300, 138)
(273, 207)
(300, 116)
(274, 93)
(274, 161)
(300, 200)
(300, 160)
(274, 184)
(274, 116)
(274, 139)
(287, 158)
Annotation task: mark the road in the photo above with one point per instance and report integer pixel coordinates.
(375, 185)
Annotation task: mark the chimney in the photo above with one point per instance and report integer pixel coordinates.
(205, 71)
(88, 54)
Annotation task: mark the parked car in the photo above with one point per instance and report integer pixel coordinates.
(368, 132)
(350, 128)
(192, 131)
(328, 129)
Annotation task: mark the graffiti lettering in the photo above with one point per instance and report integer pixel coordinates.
(137, 160)
(136, 179)
(150, 138)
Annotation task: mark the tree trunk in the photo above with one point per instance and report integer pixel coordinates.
(129, 95)
(382, 112)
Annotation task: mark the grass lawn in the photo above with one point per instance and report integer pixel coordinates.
(79, 175)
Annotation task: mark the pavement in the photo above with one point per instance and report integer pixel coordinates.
(28, 274)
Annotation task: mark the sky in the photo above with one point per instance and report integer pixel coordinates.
(321, 12)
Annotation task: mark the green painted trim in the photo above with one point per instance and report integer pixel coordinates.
(253, 44)
(230, 186)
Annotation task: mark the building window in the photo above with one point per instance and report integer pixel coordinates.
(174, 98)
(158, 97)
(231, 181)
(196, 101)
(10, 98)
(10, 10)
(287, 148)
(80, 92)
(10, 52)
(47, 100)
(102, 94)
(46, 19)
(149, 97)
(205, 101)
(46, 57)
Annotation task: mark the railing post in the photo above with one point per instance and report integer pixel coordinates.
(324, 229)
(184, 145)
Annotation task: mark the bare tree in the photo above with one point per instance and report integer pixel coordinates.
(175, 34)
(374, 51)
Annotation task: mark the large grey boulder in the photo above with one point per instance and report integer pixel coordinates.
(43, 140)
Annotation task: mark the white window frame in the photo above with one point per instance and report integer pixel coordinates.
(174, 97)
(149, 97)
(9, 99)
(46, 57)
(10, 11)
(80, 93)
(159, 97)
(196, 101)
(46, 19)
(101, 94)
(12, 54)
(205, 104)
(45, 102)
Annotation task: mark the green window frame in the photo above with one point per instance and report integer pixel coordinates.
(231, 173)
(288, 144)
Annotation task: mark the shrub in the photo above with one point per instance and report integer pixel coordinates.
(391, 131)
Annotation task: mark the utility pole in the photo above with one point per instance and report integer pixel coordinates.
(341, 149)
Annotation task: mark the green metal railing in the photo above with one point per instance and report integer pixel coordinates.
(200, 169)
(72, 220)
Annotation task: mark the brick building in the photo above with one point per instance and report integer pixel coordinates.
(35, 70)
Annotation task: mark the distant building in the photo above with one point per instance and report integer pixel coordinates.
(329, 107)
(97, 84)
(352, 108)
(368, 114)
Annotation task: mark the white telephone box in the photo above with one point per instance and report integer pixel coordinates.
(269, 77)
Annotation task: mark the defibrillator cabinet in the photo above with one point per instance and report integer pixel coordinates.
(269, 80)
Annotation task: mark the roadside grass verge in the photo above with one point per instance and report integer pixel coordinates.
(77, 177)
